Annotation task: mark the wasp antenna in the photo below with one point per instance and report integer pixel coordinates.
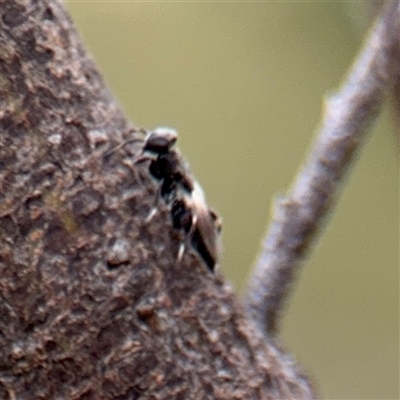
(109, 152)
(142, 157)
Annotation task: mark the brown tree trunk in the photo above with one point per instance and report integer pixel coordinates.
(93, 301)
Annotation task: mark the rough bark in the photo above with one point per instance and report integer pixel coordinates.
(93, 302)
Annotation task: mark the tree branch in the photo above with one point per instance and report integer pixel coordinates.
(94, 303)
(299, 215)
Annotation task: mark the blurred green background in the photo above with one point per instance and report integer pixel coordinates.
(244, 83)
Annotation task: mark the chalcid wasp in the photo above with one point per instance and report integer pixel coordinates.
(182, 194)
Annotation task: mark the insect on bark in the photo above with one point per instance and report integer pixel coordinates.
(182, 194)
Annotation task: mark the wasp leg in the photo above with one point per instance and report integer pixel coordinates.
(181, 251)
(165, 191)
(188, 237)
(182, 219)
(154, 209)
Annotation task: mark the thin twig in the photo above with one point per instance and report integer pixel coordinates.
(299, 215)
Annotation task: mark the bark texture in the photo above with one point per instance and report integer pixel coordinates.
(93, 302)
